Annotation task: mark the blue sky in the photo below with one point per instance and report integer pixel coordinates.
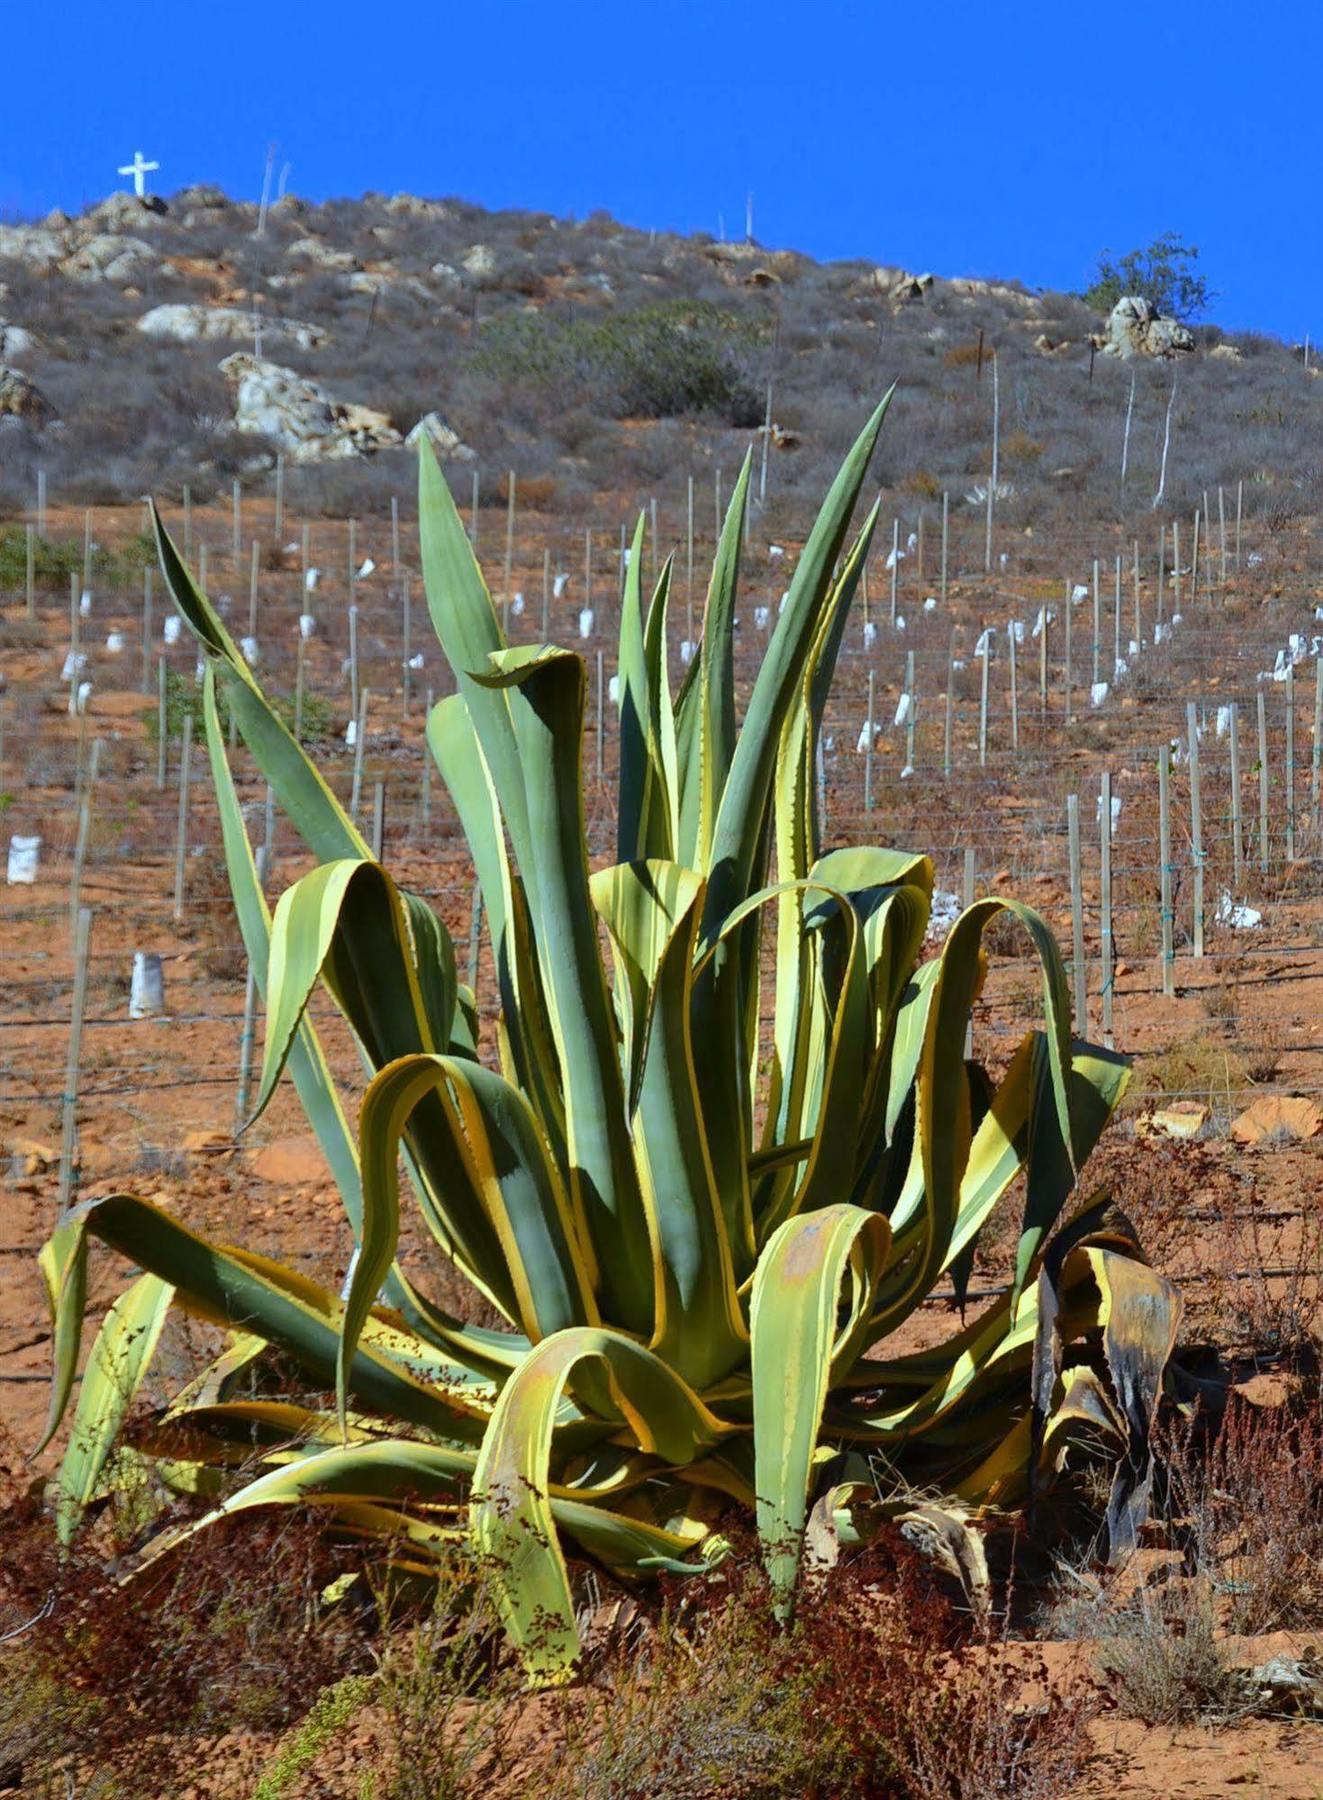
(1011, 140)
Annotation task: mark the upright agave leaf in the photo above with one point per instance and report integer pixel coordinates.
(701, 1255)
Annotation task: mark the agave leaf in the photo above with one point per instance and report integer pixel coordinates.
(511, 1518)
(546, 698)
(509, 1176)
(532, 1060)
(119, 1358)
(63, 1265)
(709, 762)
(944, 1124)
(306, 1062)
(470, 634)
(797, 1345)
(645, 823)
(652, 910)
(313, 809)
(392, 1371)
(345, 919)
(739, 831)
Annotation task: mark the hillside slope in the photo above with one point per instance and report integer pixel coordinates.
(589, 356)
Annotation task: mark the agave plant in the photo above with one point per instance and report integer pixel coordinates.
(705, 1195)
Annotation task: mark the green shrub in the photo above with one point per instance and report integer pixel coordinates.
(670, 360)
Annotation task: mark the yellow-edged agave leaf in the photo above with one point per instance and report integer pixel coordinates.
(306, 1063)
(528, 1051)
(511, 1517)
(392, 1371)
(944, 1126)
(798, 1340)
(312, 808)
(647, 820)
(742, 810)
(653, 910)
(120, 1355)
(62, 1262)
(546, 689)
(230, 1432)
(707, 764)
(508, 1176)
(345, 918)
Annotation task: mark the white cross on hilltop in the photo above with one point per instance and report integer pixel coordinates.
(138, 168)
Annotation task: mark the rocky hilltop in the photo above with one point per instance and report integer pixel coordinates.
(195, 338)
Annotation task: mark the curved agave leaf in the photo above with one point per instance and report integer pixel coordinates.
(645, 821)
(652, 910)
(119, 1358)
(545, 690)
(707, 765)
(392, 1371)
(62, 1262)
(528, 1053)
(494, 1139)
(739, 831)
(313, 809)
(307, 1064)
(797, 1346)
(928, 1211)
(511, 1518)
(346, 919)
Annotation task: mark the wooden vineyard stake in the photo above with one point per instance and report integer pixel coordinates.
(1290, 762)
(1196, 824)
(1078, 972)
(69, 1101)
(1015, 698)
(868, 747)
(946, 533)
(181, 829)
(1070, 665)
(406, 608)
(1237, 821)
(509, 548)
(427, 767)
(83, 834)
(360, 740)
(1105, 905)
(1263, 782)
(1167, 919)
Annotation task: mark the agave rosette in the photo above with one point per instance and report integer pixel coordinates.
(703, 1192)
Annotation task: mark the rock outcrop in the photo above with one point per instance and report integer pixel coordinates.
(108, 257)
(127, 212)
(299, 415)
(322, 255)
(184, 324)
(15, 342)
(32, 243)
(21, 398)
(445, 440)
(1136, 328)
